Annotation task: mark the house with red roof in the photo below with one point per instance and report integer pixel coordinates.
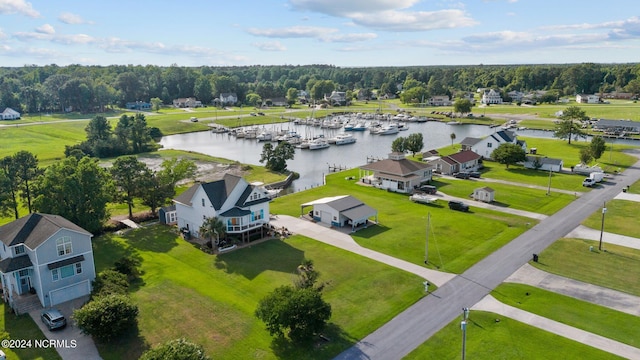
(463, 161)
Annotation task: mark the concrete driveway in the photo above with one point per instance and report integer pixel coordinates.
(71, 343)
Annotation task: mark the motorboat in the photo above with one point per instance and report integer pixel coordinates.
(264, 136)
(403, 127)
(342, 139)
(359, 127)
(388, 129)
(317, 144)
(348, 127)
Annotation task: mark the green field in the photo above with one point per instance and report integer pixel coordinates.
(22, 328)
(457, 240)
(617, 218)
(211, 299)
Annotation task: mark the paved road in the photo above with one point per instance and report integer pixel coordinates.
(418, 323)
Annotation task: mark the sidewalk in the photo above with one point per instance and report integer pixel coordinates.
(346, 242)
(485, 205)
(594, 294)
(583, 232)
(489, 303)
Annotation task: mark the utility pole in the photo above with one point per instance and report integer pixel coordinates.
(426, 245)
(463, 326)
(604, 211)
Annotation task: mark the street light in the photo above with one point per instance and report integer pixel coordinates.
(604, 211)
(463, 326)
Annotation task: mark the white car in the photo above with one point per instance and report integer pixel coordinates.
(588, 182)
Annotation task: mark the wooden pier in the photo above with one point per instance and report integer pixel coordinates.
(336, 168)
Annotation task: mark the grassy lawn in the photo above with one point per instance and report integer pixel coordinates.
(508, 196)
(616, 220)
(635, 188)
(519, 174)
(580, 314)
(611, 268)
(22, 328)
(401, 233)
(211, 299)
(504, 339)
(47, 142)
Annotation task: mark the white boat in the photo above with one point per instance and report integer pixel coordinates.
(359, 127)
(388, 129)
(348, 127)
(264, 136)
(343, 139)
(423, 198)
(318, 143)
(403, 127)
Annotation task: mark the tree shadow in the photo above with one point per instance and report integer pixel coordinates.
(328, 345)
(251, 261)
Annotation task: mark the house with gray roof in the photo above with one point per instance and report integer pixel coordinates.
(341, 211)
(9, 114)
(46, 260)
(617, 126)
(485, 146)
(242, 207)
(543, 163)
(396, 173)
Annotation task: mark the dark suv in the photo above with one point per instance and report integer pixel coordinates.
(429, 189)
(458, 205)
(462, 175)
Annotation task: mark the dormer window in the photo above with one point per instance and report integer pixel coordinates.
(19, 249)
(64, 246)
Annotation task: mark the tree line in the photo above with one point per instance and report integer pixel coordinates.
(79, 189)
(94, 89)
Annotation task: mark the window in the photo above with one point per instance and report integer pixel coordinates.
(23, 273)
(64, 246)
(66, 271)
(489, 145)
(19, 249)
(203, 202)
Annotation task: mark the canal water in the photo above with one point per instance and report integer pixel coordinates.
(313, 165)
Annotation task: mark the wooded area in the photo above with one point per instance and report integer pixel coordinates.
(91, 89)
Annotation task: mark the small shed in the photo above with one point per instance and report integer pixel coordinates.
(543, 163)
(485, 194)
(167, 215)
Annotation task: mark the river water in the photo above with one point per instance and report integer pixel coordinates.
(313, 165)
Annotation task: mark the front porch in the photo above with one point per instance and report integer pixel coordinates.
(22, 304)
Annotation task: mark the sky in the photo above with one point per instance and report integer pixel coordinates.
(344, 33)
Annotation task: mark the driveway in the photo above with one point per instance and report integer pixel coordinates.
(77, 346)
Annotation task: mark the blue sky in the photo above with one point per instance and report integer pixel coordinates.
(346, 33)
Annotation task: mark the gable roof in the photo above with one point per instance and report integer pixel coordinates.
(486, 188)
(218, 192)
(34, 229)
(544, 160)
(400, 167)
(505, 135)
(464, 156)
(470, 141)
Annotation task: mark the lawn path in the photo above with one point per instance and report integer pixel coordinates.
(341, 240)
(489, 303)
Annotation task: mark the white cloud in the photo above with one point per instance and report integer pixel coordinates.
(72, 19)
(349, 38)
(342, 8)
(18, 7)
(414, 21)
(46, 29)
(270, 46)
(310, 32)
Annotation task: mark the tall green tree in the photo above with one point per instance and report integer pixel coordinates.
(77, 189)
(399, 144)
(452, 136)
(414, 143)
(508, 154)
(128, 176)
(275, 159)
(462, 106)
(567, 128)
(6, 204)
(11, 184)
(586, 155)
(27, 170)
(178, 349)
(156, 102)
(155, 191)
(140, 134)
(597, 147)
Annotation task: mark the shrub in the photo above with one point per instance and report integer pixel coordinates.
(107, 317)
(128, 265)
(110, 282)
(178, 349)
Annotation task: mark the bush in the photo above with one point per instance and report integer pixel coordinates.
(107, 317)
(179, 349)
(128, 265)
(110, 282)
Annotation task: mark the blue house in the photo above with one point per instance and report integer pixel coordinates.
(138, 105)
(46, 260)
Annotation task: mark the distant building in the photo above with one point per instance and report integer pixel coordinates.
(9, 114)
(440, 100)
(587, 98)
(484, 194)
(485, 146)
(228, 99)
(491, 97)
(138, 105)
(189, 102)
(543, 163)
(463, 161)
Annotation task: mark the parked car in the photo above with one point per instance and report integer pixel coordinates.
(462, 175)
(261, 113)
(429, 189)
(53, 319)
(588, 182)
(475, 174)
(458, 205)
(194, 119)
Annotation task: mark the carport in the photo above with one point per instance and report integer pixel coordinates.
(340, 211)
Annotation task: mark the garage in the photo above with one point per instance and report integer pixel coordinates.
(69, 292)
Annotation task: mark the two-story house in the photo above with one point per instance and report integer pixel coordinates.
(228, 99)
(491, 97)
(440, 100)
(242, 207)
(587, 98)
(46, 255)
(189, 102)
(485, 146)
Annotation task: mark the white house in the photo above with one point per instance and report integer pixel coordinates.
(228, 98)
(587, 98)
(440, 100)
(189, 102)
(9, 114)
(242, 207)
(340, 211)
(45, 258)
(396, 173)
(491, 97)
(337, 98)
(463, 161)
(485, 146)
(543, 163)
